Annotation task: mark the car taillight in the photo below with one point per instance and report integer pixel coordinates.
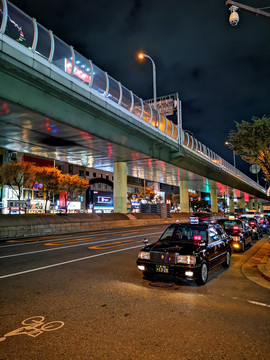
(235, 228)
(197, 239)
(252, 223)
(261, 221)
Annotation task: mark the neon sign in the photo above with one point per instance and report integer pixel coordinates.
(77, 71)
(103, 199)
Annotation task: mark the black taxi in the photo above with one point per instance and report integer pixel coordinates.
(186, 251)
(239, 230)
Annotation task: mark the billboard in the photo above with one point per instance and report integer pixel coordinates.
(101, 200)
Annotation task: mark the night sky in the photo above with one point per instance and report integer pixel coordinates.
(222, 73)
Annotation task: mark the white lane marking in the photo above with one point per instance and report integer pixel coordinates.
(67, 238)
(75, 245)
(67, 262)
(258, 303)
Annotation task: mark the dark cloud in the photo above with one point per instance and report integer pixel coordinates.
(221, 72)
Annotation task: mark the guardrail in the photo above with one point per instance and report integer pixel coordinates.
(25, 30)
(189, 142)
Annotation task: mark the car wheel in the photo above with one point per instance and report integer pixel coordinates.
(203, 275)
(227, 262)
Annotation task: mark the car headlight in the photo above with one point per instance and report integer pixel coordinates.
(145, 255)
(186, 259)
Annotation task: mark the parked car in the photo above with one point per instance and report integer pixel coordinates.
(239, 230)
(264, 223)
(251, 213)
(203, 216)
(257, 230)
(186, 251)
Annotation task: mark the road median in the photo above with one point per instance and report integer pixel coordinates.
(32, 225)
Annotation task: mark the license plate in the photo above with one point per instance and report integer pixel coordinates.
(236, 238)
(162, 269)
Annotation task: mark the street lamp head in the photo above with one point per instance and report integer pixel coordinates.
(141, 55)
(231, 147)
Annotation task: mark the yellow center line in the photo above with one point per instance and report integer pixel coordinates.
(73, 241)
(22, 241)
(113, 244)
(48, 237)
(131, 233)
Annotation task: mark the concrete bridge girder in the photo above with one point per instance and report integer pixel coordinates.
(88, 124)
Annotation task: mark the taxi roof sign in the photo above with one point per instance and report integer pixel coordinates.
(194, 220)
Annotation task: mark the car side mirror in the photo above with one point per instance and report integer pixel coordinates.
(145, 241)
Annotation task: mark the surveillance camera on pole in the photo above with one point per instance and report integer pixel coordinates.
(234, 17)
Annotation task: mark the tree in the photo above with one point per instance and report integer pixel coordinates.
(196, 202)
(18, 175)
(72, 186)
(147, 193)
(158, 198)
(51, 178)
(252, 142)
(134, 195)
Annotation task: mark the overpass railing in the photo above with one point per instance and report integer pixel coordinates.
(38, 40)
(189, 142)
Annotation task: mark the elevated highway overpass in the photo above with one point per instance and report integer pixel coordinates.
(57, 104)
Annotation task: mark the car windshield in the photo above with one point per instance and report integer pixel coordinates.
(184, 232)
(229, 224)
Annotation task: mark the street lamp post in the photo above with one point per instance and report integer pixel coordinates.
(228, 143)
(142, 56)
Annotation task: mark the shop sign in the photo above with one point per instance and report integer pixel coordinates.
(74, 205)
(103, 199)
(18, 204)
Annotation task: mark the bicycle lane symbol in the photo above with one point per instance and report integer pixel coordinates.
(34, 326)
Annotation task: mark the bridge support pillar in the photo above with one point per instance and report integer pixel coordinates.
(241, 203)
(250, 203)
(261, 207)
(231, 204)
(213, 196)
(120, 187)
(256, 205)
(184, 198)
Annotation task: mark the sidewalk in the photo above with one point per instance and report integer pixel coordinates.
(259, 263)
(263, 267)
